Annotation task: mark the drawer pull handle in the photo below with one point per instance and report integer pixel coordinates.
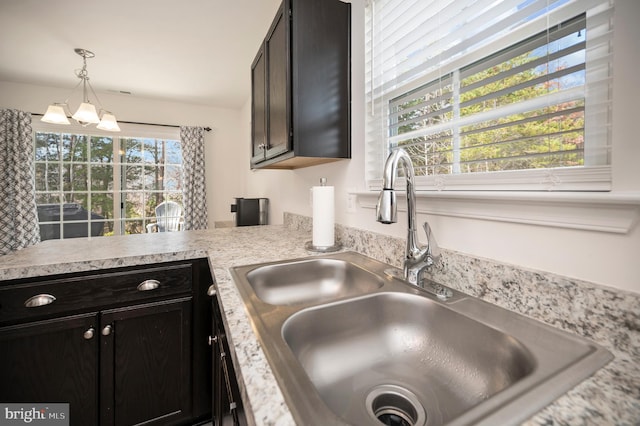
(148, 285)
(211, 291)
(106, 330)
(39, 300)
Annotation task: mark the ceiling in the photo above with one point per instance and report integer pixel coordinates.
(194, 51)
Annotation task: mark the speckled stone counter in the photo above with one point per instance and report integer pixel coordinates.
(608, 317)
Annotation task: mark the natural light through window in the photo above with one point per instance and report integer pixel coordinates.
(511, 96)
(89, 185)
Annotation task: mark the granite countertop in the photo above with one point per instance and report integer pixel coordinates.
(262, 398)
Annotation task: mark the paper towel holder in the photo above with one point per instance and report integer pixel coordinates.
(322, 249)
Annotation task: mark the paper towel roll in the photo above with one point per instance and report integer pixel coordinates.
(323, 216)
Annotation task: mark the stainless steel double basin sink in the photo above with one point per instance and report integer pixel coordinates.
(350, 344)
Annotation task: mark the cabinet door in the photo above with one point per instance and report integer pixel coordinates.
(278, 86)
(53, 361)
(258, 108)
(227, 404)
(146, 364)
(217, 382)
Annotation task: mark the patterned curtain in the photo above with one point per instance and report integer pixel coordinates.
(18, 212)
(194, 192)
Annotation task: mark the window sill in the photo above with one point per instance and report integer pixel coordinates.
(612, 212)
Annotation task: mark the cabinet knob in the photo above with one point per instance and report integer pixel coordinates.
(211, 291)
(88, 335)
(106, 330)
(212, 340)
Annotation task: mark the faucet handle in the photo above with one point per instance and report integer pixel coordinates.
(433, 250)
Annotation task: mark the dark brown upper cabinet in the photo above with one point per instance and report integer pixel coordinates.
(301, 87)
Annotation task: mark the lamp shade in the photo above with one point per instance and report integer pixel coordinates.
(86, 113)
(108, 123)
(55, 114)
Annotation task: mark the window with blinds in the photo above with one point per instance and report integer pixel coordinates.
(511, 95)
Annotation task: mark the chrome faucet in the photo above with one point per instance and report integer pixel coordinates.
(417, 258)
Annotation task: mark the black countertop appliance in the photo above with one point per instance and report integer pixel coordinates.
(251, 211)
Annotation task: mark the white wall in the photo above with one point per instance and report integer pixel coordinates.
(222, 154)
(605, 258)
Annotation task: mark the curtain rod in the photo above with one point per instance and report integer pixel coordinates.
(208, 129)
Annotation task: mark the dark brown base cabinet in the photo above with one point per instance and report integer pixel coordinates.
(227, 405)
(50, 361)
(146, 364)
(118, 354)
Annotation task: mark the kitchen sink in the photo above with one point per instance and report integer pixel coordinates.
(447, 360)
(377, 350)
(312, 280)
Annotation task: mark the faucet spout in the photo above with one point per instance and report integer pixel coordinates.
(417, 257)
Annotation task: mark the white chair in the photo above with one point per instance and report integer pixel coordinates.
(168, 218)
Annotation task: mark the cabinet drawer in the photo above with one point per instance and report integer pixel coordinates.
(76, 293)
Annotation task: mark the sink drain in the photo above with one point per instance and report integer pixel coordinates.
(393, 405)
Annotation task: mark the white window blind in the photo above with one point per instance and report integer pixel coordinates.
(510, 94)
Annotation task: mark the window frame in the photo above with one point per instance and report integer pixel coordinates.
(615, 211)
(128, 131)
(596, 178)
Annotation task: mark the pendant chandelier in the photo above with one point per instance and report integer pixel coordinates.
(86, 114)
